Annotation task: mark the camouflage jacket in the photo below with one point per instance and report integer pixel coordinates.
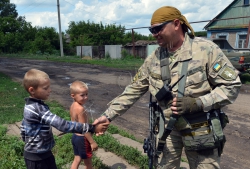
(210, 77)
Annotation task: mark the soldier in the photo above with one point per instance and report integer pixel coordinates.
(211, 83)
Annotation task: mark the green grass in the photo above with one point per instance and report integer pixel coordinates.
(11, 150)
(12, 100)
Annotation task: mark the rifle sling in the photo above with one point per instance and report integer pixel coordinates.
(165, 72)
(173, 117)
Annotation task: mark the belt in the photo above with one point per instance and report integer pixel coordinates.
(199, 132)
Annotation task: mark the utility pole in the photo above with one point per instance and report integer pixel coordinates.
(248, 36)
(60, 32)
(133, 41)
(81, 44)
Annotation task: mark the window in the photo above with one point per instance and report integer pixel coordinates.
(242, 41)
(222, 35)
(246, 2)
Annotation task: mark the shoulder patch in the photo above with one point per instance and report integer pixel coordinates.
(228, 73)
(217, 67)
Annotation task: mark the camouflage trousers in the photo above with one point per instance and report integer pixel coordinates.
(171, 156)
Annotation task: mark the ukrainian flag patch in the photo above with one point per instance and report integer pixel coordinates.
(217, 67)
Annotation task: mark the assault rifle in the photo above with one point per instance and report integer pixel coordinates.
(157, 125)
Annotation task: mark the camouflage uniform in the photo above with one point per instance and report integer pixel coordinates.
(210, 77)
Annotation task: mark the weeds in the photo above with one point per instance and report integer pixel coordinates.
(11, 150)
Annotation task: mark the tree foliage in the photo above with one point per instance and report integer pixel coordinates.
(89, 33)
(18, 35)
(129, 37)
(7, 9)
(201, 33)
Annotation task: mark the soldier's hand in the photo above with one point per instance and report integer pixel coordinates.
(184, 105)
(102, 124)
(100, 128)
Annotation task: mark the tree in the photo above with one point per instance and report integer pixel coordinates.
(46, 40)
(18, 35)
(201, 33)
(7, 9)
(98, 34)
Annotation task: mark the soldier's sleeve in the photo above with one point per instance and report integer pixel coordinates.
(130, 95)
(223, 78)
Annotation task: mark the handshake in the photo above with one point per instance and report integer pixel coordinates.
(100, 125)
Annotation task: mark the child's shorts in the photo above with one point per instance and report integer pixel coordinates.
(81, 146)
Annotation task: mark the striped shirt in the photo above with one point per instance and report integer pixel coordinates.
(36, 128)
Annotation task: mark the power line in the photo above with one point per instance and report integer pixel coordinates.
(197, 22)
(31, 5)
(149, 26)
(92, 13)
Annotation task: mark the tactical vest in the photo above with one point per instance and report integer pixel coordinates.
(201, 130)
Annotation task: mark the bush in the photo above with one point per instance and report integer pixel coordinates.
(107, 55)
(126, 55)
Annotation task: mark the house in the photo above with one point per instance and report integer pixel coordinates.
(140, 48)
(232, 24)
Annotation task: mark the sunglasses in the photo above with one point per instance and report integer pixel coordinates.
(158, 28)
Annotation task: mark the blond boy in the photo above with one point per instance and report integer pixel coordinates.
(83, 144)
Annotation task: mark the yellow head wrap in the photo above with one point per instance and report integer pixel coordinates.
(169, 13)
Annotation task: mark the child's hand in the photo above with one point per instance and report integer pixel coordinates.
(94, 146)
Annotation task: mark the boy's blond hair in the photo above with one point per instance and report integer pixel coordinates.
(32, 78)
(76, 85)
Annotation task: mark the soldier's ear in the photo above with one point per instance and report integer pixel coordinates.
(177, 23)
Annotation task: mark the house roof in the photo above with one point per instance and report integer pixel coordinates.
(142, 43)
(232, 14)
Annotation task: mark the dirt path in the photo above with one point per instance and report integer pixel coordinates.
(106, 83)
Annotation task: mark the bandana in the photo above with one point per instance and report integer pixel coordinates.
(169, 13)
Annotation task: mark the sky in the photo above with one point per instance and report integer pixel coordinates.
(127, 13)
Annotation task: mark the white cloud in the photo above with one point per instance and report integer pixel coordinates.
(47, 19)
(128, 13)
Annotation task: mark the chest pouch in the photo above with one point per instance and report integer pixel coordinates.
(205, 132)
